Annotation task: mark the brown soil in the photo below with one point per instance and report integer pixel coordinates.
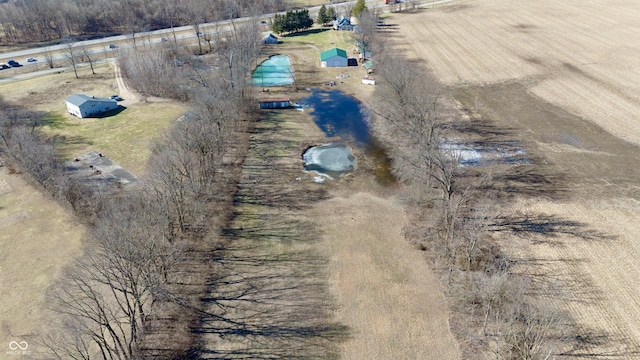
(559, 78)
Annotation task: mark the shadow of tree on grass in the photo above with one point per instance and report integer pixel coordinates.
(268, 297)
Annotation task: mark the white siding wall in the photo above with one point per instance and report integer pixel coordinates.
(91, 108)
(335, 61)
(74, 110)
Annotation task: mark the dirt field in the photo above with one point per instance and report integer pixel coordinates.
(561, 78)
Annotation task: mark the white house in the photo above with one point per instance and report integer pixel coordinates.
(270, 39)
(84, 106)
(334, 58)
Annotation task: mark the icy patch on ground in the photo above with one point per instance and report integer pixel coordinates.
(300, 106)
(485, 154)
(330, 160)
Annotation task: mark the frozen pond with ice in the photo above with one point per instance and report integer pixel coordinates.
(332, 160)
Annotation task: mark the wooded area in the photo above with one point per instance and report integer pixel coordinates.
(30, 21)
(136, 245)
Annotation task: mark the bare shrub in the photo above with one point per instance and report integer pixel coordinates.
(156, 71)
(451, 215)
(106, 297)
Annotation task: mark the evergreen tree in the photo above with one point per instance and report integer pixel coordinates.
(359, 8)
(322, 15)
(292, 21)
(278, 24)
(331, 14)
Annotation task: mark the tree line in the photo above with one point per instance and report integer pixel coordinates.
(454, 211)
(292, 21)
(29, 21)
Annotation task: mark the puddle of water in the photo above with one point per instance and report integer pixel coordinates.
(486, 154)
(273, 72)
(381, 164)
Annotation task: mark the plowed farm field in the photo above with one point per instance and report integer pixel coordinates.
(562, 78)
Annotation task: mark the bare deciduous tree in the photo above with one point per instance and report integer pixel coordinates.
(88, 56)
(108, 294)
(49, 57)
(71, 53)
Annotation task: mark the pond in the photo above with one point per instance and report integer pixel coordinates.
(273, 72)
(340, 115)
(332, 160)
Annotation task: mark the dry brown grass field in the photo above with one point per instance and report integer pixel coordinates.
(37, 239)
(563, 79)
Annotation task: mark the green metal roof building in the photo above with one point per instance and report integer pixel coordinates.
(333, 58)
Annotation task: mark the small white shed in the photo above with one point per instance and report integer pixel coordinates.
(334, 58)
(84, 106)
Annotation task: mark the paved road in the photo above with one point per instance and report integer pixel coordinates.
(100, 47)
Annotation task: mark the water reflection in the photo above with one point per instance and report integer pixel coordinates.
(338, 114)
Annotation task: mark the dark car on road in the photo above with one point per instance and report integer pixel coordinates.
(13, 63)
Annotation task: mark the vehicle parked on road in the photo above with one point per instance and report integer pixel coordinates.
(112, 46)
(13, 63)
(4, 66)
(115, 97)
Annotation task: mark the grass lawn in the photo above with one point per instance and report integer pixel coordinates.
(295, 4)
(321, 39)
(124, 137)
(304, 49)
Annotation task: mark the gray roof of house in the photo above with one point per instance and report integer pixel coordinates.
(79, 99)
